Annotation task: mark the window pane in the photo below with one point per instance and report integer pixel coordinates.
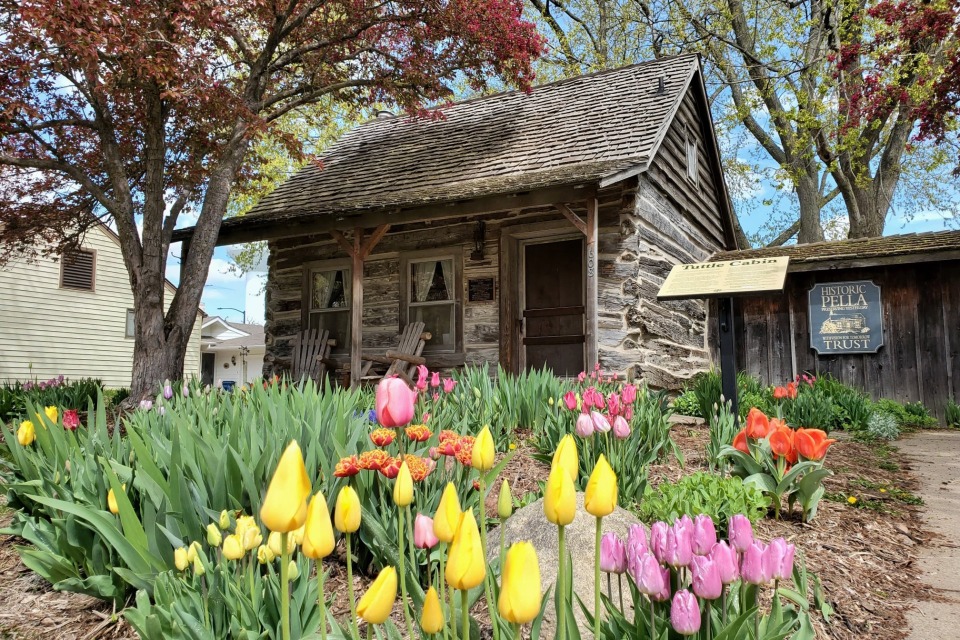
(330, 290)
(131, 323)
(337, 323)
(438, 320)
(432, 281)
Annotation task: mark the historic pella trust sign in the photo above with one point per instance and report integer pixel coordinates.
(725, 278)
(846, 317)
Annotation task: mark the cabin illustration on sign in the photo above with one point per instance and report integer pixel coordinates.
(522, 229)
(851, 323)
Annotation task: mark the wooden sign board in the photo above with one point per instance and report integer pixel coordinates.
(846, 317)
(724, 279)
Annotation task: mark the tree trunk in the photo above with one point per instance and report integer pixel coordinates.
(808, 194)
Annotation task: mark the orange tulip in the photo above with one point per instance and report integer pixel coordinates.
(740, 441)
(758, 425)
(781, 442)
(792, 390)
(812, 444)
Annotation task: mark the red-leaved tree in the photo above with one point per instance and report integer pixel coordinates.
(136, 111)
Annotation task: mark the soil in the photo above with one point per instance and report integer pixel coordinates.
(865, 553)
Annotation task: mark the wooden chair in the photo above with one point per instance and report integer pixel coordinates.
(401, 361)
(311, 352)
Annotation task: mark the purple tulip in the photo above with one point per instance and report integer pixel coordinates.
(658, 539)
(704, 535)
(679, 549)
(600, 422)
(706, 578)
(647, 575)
(167, 390)
(584, 425)
(752, 568)
(621, 428)
(778, 559)
(613, 554)
(740, 532)
(146, 405)
(685, 613)
(725, 559)
(186, 389)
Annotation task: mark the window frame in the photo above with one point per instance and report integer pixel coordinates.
(445, 253)
(691, 152)
(93, 270)
(127, 333)
(306, 298)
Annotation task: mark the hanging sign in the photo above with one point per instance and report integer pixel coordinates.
(726, 278)
(845, 317)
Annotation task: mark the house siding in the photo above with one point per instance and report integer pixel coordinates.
(46, 330)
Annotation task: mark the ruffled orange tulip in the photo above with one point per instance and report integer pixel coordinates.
(758, 425)
(812, 444)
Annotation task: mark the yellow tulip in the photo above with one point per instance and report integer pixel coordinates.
(466, 566)
(483, 450)
(297, 535)
(377, 603)
(233, 547)
(559, 497)
(403, 487)
(192, 551)
(180, 558)
(505, 501)
(566, 456)
(224, 520)
(274, 541)
(112, 500)
(431, 619)
(285, 506)
(214, 537)
(600, 498)
(346, 515)
(318, 540)
(198, 566)
(447, 518)
(264, 555)
(26, 434)
(520, 590)
(52, 414)
(293, 570)
(249, 532)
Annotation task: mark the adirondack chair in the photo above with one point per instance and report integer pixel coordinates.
(401, 361)
(311, 351)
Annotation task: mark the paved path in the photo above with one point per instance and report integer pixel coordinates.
(935, 459)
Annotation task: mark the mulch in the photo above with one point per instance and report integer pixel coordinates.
(864, 554)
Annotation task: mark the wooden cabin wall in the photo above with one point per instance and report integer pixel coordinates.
(920, 359)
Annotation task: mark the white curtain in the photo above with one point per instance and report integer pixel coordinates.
(447, 267)
(423, 278)
(347, 283)
(322, 288)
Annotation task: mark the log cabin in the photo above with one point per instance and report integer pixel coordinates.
(525, 229)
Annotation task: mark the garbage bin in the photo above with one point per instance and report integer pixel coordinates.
(228, 385)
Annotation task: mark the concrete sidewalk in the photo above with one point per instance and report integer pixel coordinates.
(935, 459)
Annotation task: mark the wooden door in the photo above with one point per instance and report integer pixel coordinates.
(553, 309)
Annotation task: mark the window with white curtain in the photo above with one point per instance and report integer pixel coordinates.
(432, 299)
(329, 308)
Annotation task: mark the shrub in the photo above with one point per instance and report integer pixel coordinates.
(852, 409)
(811, 409)
(707, 388)
(687, 404)
(723, 427)
(952, 414)
(882, 426)
(911, 415)
(706, 493)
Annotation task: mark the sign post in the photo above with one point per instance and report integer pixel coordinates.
(723, 281)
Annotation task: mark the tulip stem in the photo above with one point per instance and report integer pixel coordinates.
(706, 613)
(487, 591)
(410, 543)
(596, 582)
(464, 606)
(322, 601)
(284, 588)
(443, 592)
(756, 617)
(369, 631)
(723, 607)
(350, 595)
(619, 590)
(561, 585)
(516, 630)
(403, 573)
(653, 627)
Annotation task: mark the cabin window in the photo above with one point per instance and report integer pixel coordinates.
(692, 161)
(77, 270)
(131, 324)
(329, 308)
(432, 299)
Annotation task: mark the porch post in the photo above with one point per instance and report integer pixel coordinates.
(591, 328)
(356, 308)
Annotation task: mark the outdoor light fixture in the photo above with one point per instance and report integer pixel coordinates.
(479, 233)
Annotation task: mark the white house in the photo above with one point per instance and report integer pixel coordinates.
(231, 351)
(74, 316)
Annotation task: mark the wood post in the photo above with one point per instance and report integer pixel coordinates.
(728, 352)
(592, 289)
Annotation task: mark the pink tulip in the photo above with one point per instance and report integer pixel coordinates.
(685, 613)
(679, 549)
(628, 413)
(167, 390)
(704, 535)
(570, 399)
(186, 389)
(146, 405)
(658, 539)
(664, 594)
(449, 384)
(637, 539)
(581, 376)
(394, 403)
(740, 532)
(589, 398)
(435, 379)
(752, 568)
(613, 404)
(422, 375)
(725, 559)
(423, 537)
(778, 559)
(629, 394)
(584, 426)
(647, 575)
(613, 554)
(621, 428)
(706, 578)
(70, 419)
(600, 422)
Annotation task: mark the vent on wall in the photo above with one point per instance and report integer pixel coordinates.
(77, 271)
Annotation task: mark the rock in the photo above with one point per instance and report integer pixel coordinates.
(530, 524)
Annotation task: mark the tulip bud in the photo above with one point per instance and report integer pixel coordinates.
(752, 568)
(559, 497)
(180, 559)
(679, 549)
(600, 422)
(647, 575)
(466, 566)
(224, 520)
(584, 425)
(566, 457)
(264, 555)
(377, 603)
(613, 553)
(600, 498)
(192, 551)
(394, 403)
(447, 517)
(26, 434)
(704, 534)
(431, 619)
(778, 559)
(112, 502)
(658, 539)
(285, 505)
(725, 559)
(484, 451)
(213, 535)
(293, 570)
(249, 532)
(706, 578)
(198, 568)
(504, 501)
(740, 532)
(685, 613)
(52, 414)
(167, 390)
(403, 486)
(520, 590)
(233, 547)
(621, 428)
(423, 536)
(318, 541)
(274, 543)
(346, 514)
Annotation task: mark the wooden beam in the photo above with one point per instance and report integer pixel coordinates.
(574, 219)
(356, 308)
(342, 241)
(370, 243)
(592, 302)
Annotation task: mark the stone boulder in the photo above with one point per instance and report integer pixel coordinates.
(530, 524)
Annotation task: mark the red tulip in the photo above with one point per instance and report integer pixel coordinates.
(382, 437)
(570, 399)
(70, 419)
(395, 402)
(391, 468)
(758, 425)
(349, 466)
